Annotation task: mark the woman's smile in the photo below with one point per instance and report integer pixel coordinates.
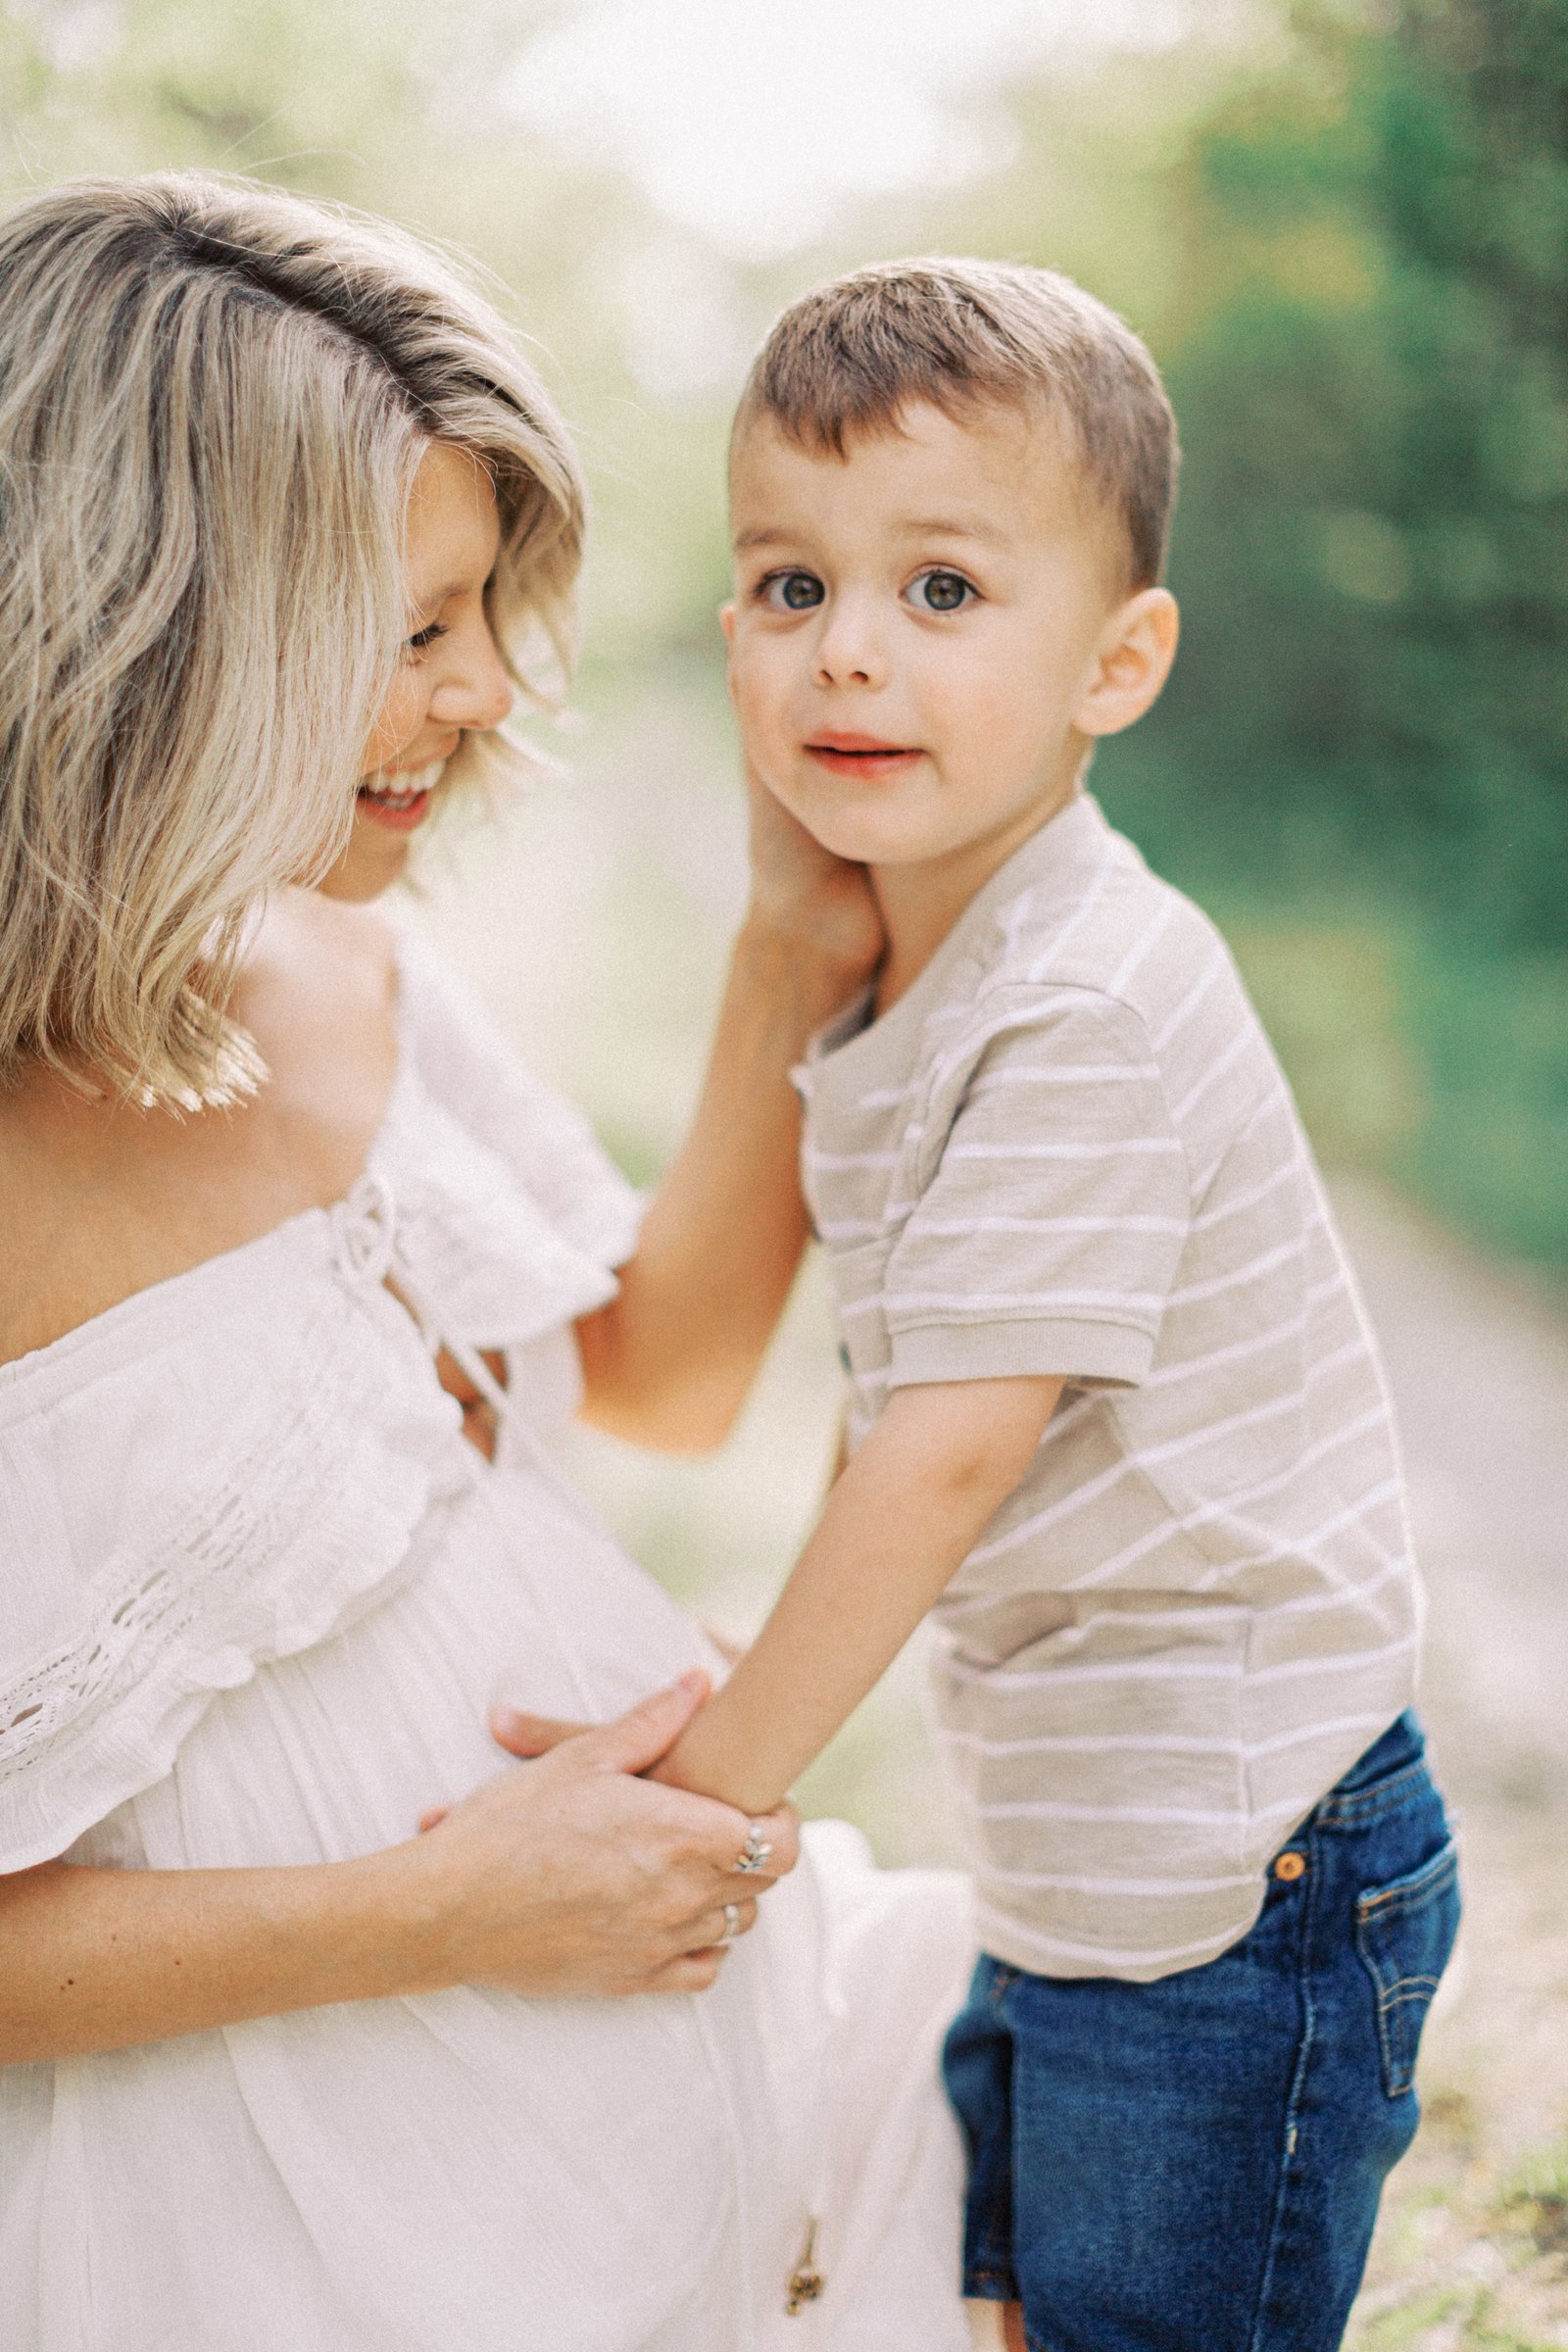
(398, 799)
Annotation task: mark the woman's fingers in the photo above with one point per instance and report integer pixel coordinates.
(693, 1972)
(582, 1875)
(630, 1743)
(523, 1734)
(782, 1832)
(638, 1738)
(724, 1925)
(823, 901)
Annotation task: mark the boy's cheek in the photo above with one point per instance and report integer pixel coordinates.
(755, 706)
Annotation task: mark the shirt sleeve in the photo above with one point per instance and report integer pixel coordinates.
(1049, 1235)
(547, 1144)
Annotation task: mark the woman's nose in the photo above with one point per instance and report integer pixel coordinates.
(474, 690)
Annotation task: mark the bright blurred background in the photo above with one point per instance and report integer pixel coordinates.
(1343, 226)
(1340, 224)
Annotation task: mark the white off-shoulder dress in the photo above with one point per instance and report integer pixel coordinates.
(257, 1592)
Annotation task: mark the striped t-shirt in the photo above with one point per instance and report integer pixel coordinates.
(1069, 1149)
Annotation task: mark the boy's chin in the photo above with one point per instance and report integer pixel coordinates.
(886, 846)
(865, 837)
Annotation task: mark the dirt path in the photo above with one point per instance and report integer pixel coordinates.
(1473, 2251)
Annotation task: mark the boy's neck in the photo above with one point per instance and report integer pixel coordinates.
(920, 903)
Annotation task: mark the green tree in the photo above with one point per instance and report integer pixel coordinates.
(1369, 352)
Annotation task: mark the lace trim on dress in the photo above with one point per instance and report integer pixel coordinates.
(310, 1508)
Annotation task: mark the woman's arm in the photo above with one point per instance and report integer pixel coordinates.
(897, 1524)
(669, 1360)
(569, 1876)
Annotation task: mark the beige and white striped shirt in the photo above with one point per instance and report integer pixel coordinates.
(1069, 1149)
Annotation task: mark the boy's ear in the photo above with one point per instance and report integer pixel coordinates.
(1132, 662)
(726, 622)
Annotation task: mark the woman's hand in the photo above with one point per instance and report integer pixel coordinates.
(576, 1877)
(573, 1877)
(821, 905)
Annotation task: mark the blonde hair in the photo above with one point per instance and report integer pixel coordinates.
(848, 357)
(214, 397)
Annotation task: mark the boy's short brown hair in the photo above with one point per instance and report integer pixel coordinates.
(965, 335)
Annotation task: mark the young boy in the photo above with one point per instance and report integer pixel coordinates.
(1117, 1418)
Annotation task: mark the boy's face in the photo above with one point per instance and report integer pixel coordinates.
(927, 633)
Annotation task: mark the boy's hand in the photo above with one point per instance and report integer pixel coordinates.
(821, 903)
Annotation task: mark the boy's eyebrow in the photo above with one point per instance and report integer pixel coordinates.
(950, 526)
(917, 526)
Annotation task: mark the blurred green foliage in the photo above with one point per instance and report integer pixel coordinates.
(1348, 244)
(1371, 361)
(1369, 352)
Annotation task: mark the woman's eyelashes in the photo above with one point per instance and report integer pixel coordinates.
(457, 605)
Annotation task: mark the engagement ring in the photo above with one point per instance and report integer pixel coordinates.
(755, 1854)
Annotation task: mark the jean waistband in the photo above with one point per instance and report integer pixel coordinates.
(1380, 1775)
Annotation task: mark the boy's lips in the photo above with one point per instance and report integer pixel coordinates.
(848, 754)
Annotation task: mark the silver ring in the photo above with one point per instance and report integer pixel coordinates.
(756, 1854)
(732, 1923)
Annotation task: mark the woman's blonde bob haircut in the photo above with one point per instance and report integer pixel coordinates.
(214, 397)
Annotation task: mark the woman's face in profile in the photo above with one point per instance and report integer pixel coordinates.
(450, 679)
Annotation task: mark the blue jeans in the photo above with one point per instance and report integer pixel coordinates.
(1195, 2165)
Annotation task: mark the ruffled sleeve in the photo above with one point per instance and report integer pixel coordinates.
(549, 1150)
(212, 1477)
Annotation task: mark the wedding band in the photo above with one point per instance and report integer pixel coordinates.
(732, 1923)
(756, 1854)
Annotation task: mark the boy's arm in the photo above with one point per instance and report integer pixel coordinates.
(896, 1525)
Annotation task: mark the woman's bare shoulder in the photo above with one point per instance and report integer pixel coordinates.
(102, 1199)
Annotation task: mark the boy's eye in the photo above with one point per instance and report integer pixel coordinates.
(423, 637)
(941, 591)
(792, 591)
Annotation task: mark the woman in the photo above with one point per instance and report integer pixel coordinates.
(296, 1265)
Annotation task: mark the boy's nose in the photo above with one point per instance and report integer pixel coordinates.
(850, 650)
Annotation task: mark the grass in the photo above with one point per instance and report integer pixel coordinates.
(1471, 2256)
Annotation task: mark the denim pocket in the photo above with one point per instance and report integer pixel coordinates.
(1404, 1933)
